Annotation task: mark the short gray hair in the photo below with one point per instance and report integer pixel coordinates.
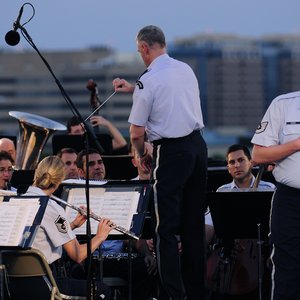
(151, 35)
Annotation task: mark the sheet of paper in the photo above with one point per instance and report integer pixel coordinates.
(33, 205)
(13, 218)
(118, 206)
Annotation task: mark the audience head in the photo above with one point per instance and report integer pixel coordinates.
(8, 146)
(74, 126)
(69, 157)
(6, 169)
(239, 162)
(96, 166)
(49, 173)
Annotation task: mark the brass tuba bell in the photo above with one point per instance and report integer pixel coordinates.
(33, 135)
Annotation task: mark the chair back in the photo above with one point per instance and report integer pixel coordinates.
(29, 275)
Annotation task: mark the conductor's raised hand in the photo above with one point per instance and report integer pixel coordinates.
(122, 85)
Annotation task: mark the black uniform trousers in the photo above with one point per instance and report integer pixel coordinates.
(179, 174)
(285, 236)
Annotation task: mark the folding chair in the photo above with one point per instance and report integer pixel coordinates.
(28, 276)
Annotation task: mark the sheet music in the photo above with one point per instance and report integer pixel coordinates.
(32, 203)
(82, 182)
(12, 223)
(4, 193)
(118, 206)
(16, 217)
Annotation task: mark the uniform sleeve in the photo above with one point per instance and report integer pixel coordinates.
(268, 131)
(142, 104)
(56, 226)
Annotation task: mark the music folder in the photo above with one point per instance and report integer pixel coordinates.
(237, 214)
(123, 202)
(20, 217)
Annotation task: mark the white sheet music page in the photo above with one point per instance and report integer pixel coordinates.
(33, 205)
(13, 219)
(118, 206)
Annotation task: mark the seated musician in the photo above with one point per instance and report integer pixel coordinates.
(144, 265)
(8, 145)
(119, 144)
(69, 157)
(143, 173)
(6, 169)
(55, 232)
(239, 166)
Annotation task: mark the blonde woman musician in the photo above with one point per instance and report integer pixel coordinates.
(55, 232)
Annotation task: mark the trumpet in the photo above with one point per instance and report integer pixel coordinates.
(95, 217)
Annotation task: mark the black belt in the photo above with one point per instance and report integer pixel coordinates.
(287, 189)
(170, 140)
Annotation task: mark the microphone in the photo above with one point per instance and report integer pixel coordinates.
(12, 38)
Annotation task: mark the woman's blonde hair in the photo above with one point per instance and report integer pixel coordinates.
(49, 173)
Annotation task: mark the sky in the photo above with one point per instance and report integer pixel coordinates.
(79, 24)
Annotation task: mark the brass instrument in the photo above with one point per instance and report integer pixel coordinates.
(33, 135)
(258, 176)
(95, 217)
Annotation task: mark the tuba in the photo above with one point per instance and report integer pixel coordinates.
(34, 132)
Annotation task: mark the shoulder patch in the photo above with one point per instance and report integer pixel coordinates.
(139, 84)
(261, 127)
(61, 224)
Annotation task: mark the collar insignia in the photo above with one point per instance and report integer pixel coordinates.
(139, 84)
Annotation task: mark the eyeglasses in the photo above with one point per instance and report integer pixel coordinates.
(232, 162)
(9, 170)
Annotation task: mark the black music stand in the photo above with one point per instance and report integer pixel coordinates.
(137, 222)
(119, 167)
(77, 142)
(21, 180)
(26, 233)
(242, 215)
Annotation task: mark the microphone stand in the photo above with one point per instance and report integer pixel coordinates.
(88, 134)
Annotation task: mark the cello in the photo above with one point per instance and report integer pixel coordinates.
(94, 95)
(94, 99)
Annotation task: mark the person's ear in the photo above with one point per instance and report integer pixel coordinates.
(133, 161)
(81, 172)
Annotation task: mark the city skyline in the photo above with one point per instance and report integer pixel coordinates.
(67, 25)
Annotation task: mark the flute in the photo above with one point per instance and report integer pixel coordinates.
(95, 217)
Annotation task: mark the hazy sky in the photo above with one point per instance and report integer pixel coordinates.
(76, 24)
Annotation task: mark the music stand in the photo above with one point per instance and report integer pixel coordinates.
(77, 142)
(21, 180)
(19, 224)
(115, 191)
(242, 215)
(119, 167)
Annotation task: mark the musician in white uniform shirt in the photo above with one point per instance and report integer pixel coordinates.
(277, 139)
(239, 164)
(55, 232)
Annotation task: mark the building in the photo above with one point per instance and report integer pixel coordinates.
(238, 78)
